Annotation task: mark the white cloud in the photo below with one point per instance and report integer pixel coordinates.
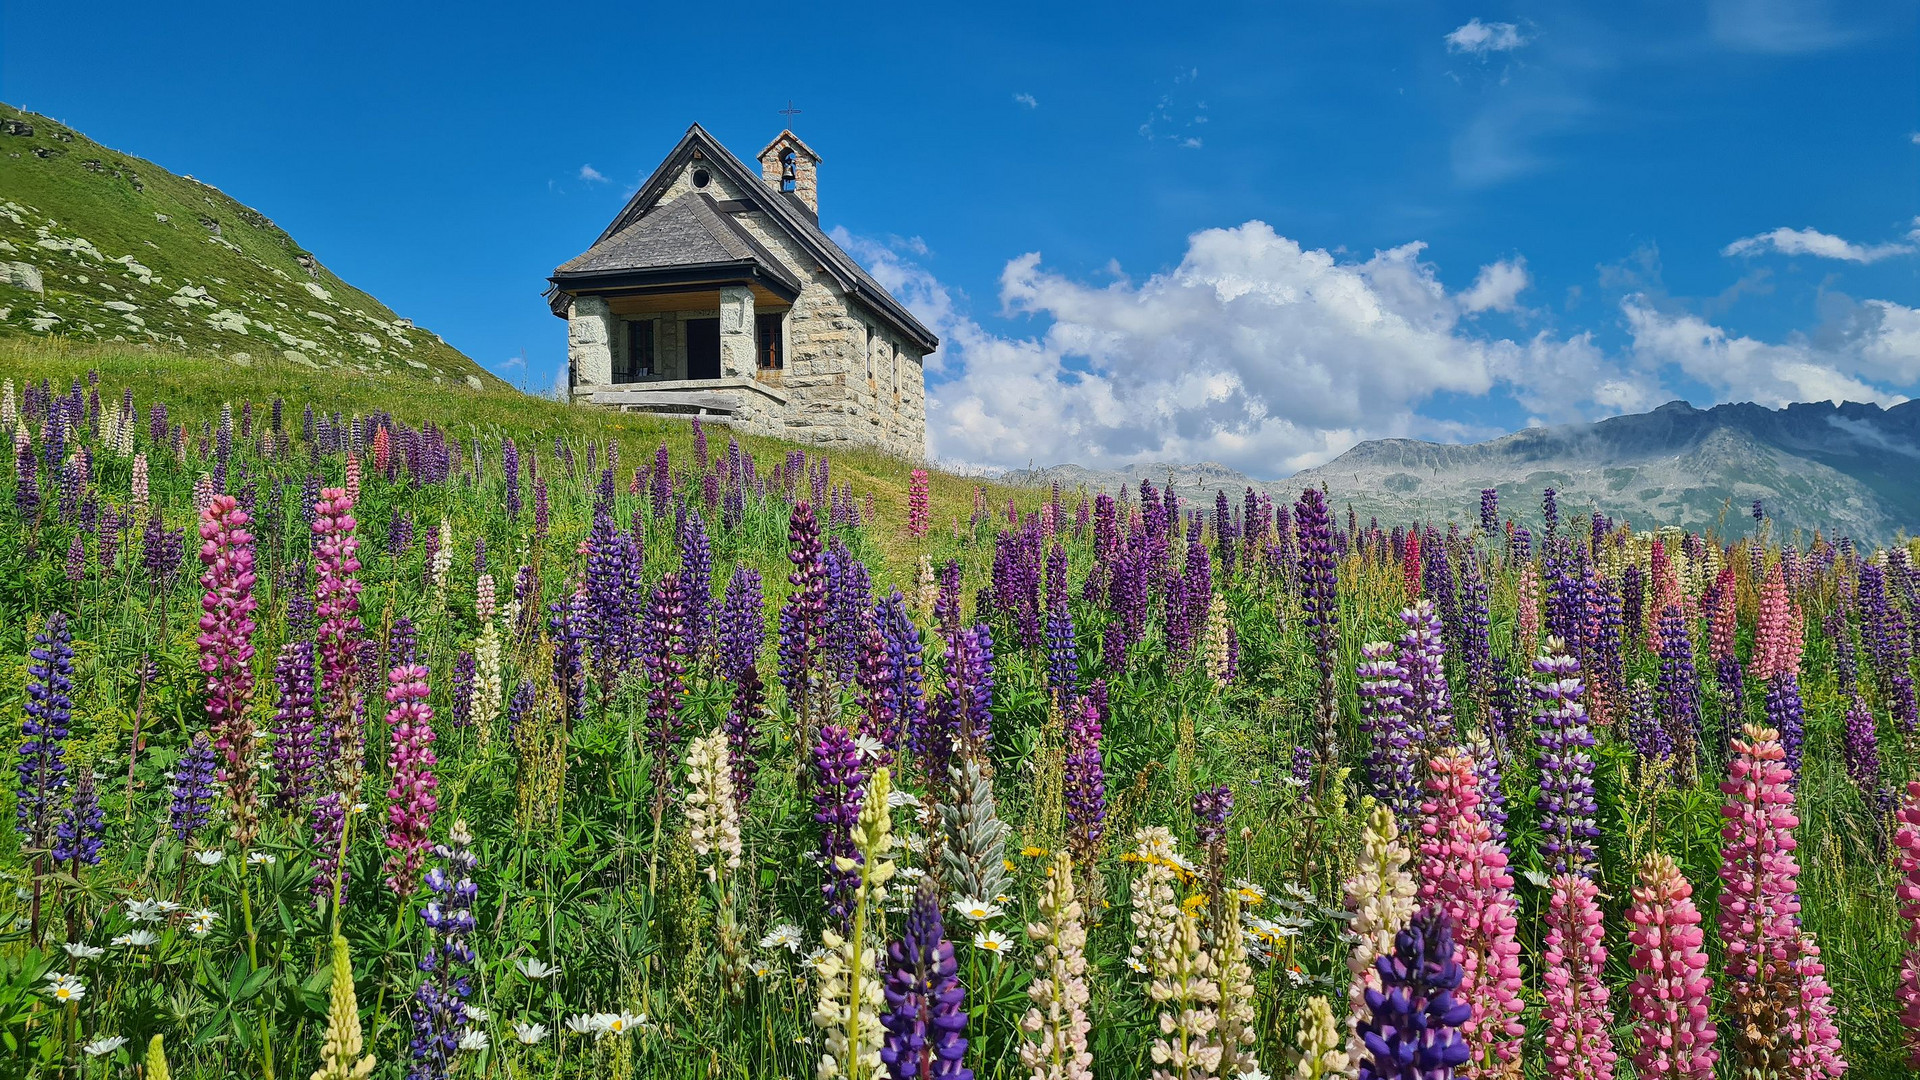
(1498, 287)
(1775, 26)
(1479, 39)
(1818, 244)
(592, 175)
(511, 362)
(1028, 100)
(1877, 339)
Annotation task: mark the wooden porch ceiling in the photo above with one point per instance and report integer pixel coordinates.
(649, 303)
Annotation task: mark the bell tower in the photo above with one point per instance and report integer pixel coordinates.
(787, 164)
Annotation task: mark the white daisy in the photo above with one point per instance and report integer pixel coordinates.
(977, 909)
(209, 858)
(144, 911)
(1134, 963)
(476, 1014)
(200, 922)
(620, 1023)
(65, 988)
(138, 939)
(868, 747)
(993, 941)
(785, 936)
(81, 951)
(168, 907)
(535, 969)
(582, 1024)
(105, 1045)
(528, 1034)
(474, 1040)
(260, 858)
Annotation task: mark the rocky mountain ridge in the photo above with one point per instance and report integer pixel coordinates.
(1847, 469)
(99, 246)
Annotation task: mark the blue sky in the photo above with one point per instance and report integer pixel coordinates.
(1256, 235)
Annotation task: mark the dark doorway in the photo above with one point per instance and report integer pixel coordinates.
(703, 348)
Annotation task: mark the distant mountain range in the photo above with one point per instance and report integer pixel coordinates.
(1843, 470)
(98, 246)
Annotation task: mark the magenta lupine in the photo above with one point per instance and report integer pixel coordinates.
(1813, 1030)
(1906, 841)
(1579, 1046)
(226, 652)
(1759, 903)
(411, 797)
(337, 592)
(917, 492)
(1464, 873)
(1671, 994)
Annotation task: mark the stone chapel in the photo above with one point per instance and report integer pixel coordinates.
(715, 294)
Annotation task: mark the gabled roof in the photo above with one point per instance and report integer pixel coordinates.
(650, 244)
(688, 234)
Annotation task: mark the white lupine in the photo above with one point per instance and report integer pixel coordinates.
(1239, 1019)
(141, 501)
(1057, 1020)
(1155, 909)
(713, 824)
(9, 409)
(1218, 658)
(1381, 896)
(442, 564)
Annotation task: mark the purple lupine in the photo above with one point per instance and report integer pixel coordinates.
(42, 768)
(519, 706)
(874, 680)
(1320, 605)
(439, 1009)
(1489, 510)
(1475, 636)
(1210, 809)
(1085, 782)
(946, 601)
(839, 785)
(1412, 1027)
(1437, 585)
(660, 483)
(1567, 805)
(1550, 512)
(849, 596)
(161, 551)
(1846, 659)
(1423, 659)
(905, 695)
(26, 479)
(541, 509)
(926, 1017)
(192, 789)
(666, 668)
(1679, 691)
(803, 617)
(510, 470)
(82, 826)
(1645, 733)
(963, 715)
(1786, 715)
(567, 628)
(1393, 766)
(1885, 631)
(1063, 654)
(1567, 605)
(465, 668)
(1860, 749)
(294, 755)
(696, 577)
(616, 597)
(741, 628)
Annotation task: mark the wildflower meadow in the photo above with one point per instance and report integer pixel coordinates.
(351, 740)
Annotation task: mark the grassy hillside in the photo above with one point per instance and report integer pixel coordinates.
(98, 246)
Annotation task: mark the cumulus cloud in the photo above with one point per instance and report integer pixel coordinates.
(1498, 287)
(592, 175)
(1874, 340)
(1818, 244)
(1478, 38)
(1028, 100)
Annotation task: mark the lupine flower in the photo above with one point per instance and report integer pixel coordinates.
(917, 504)
(337, 593)
(1084, 784)
(1813, 1031)
(1422, 654)
(926, 1017)
(226, 652)
(1413, 1030)
(1759, 903)
(1778, 637)
(1679, 689)
(340, 1057)
(803, 616)
(666, 667)
(1578, 1044)
(973, 857)
(1465, 874)
(713, 822)
(1189, 1000)
(1320, 606)
(1527, 609)
(962, 716)
(1786, 715)
(42, 769)
(294, 754)
(410, 813)
(439, 1010)
(78, 836)
(839, 784)
(1056, 1021)
(1320, 1055)
(1567, 805)
(1393, 767)
(696, 577)
(193, 789)
(1906, 840)
(1380, 894)
(850, 995)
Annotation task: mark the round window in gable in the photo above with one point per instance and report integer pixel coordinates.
(701, 177)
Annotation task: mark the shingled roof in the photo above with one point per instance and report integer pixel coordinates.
(692, 235)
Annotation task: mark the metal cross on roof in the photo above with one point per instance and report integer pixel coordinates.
(789, 111)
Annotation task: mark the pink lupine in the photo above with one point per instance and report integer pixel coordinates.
(412, 802)
(1579, 1046)
(1759, 905)
(1671, 992)
(1906, 838)
(337, 594)
(1464, 871)
(1813, 1034)
(226, 651)
(1726, 618)
(917, 513)
(1777, 640)
(353, 477)
(1527, 618)
(1667, 593)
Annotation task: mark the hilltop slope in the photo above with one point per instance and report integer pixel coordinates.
(96, 245)
(1847, 469)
